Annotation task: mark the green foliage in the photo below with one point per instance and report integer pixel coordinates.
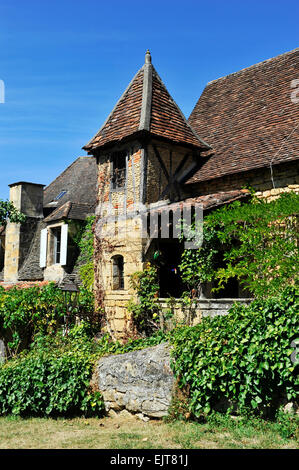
(243, 358)
(255, 242)
(87, 274)
(85, 244)
(45, 384)
(198, 266)
(53, 378)
(287, 424)
(9, 212)
(146, 311)
(26, 312)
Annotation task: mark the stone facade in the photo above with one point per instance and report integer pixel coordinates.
(167, 161)
(284, 175)
(27, 198)
(145, 183)
(69, 199)
(199, 309)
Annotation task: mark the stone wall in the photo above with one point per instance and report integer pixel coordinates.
(29, 268)
(274, 193)
(138, 381)
(260, 179)
(199, 309)
(145, 180)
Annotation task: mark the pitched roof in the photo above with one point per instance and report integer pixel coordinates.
(249, 118)
(71, 210)
(147, 106)
(77, 184)
(209, 201)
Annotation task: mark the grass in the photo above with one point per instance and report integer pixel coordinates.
(130, 433)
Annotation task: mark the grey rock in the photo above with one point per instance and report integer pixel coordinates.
(139, 381)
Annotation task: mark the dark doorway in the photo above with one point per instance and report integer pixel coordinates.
(168, 259)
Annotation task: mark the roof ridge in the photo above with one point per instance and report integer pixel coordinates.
(66, 206)
(135, 111)
(147, 91)
(253, 66)
(66, 169)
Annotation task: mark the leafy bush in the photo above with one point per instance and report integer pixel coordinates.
(54, 377)
(44, 384)
(145, 310)
(9, 212)
(243, 358)
(85, 244)
(255, 243)
(26, 312)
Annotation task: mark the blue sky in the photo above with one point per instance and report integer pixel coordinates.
(65, 64)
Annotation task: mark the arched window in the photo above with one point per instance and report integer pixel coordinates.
(117, 272)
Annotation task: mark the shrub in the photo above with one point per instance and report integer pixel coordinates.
(26, 312)
(44, 384)
(145, 311)
(243, 358)
(53, 378)
(85, 260)
(255, 243)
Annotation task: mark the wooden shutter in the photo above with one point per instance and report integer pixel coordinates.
(43, 248)
(63, 252)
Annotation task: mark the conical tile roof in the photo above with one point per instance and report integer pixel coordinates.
(146, 106)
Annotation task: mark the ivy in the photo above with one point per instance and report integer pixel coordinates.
(243, 358)
(85, 242)
(145, 311)
(255, 243)
(54, 377)
(27, 312)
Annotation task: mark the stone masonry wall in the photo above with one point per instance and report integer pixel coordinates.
(200, 309)
(260, 179)
(124, 238)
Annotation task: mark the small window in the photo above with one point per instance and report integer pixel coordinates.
(60, 195)
(117, 272)
(56, 245)
(118, 175)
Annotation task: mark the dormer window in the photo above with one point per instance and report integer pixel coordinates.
(118, 170)
(60, 195)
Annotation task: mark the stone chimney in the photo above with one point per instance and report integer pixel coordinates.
(28, 199)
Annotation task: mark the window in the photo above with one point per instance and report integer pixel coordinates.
(118, 173)
(117, 272)
(56, 233)
(53, 246)
(60, 195)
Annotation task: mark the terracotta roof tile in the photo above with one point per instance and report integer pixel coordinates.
(146, 106)
(24, 284)
(248, 118)
(209, 201)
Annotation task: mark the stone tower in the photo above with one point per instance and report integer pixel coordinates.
(145, 150)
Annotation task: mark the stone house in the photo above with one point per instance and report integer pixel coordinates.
(43, 248)
(242, 132)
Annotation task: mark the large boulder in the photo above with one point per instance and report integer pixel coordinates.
(138, 381)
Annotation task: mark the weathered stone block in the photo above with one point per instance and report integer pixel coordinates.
(138, 381)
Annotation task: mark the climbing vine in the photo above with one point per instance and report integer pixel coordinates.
(255, 243)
